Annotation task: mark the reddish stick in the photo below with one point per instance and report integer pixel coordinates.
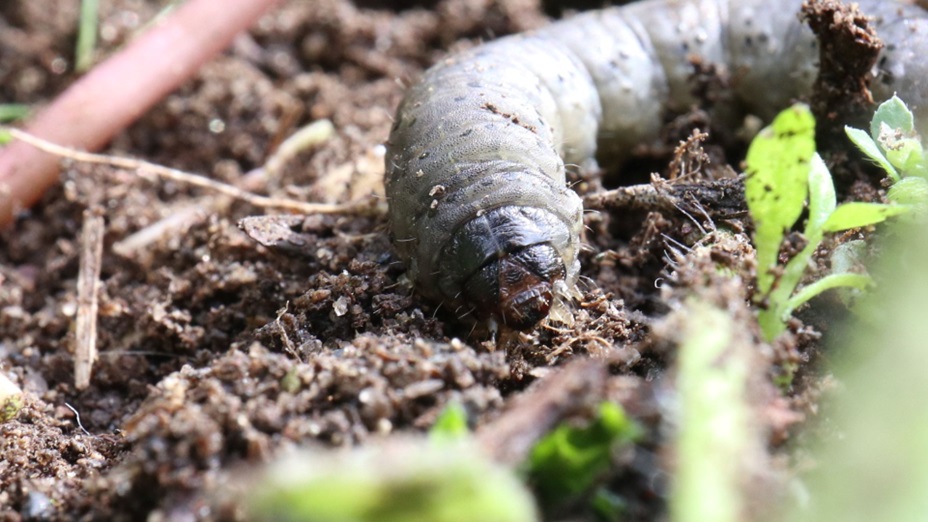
(118, 91)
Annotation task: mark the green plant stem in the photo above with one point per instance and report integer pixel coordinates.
(858, 281)
(715, 437)
(86, 35)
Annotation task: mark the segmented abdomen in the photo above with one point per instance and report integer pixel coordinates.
(475, 172)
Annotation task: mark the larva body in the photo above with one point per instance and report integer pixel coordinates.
(475, 176)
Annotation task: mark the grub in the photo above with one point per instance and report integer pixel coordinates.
(217, 351)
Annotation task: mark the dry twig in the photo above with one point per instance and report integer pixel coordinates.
(193, 212)
(145, 168)
(724, 198)
(88, 289)
(119, 90)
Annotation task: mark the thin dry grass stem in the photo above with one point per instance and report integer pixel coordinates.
(689, 156)
(88, 289)
(194, 212)
(145, 168)
(304, 138)
(284, 337)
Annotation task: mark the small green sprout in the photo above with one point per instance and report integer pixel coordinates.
(777, 184)
(896, 147)
(451, 424)
(783, 172)
(86, 35)
(893, 142)
(567, 462)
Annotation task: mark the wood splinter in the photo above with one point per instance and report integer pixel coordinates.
(88, 289)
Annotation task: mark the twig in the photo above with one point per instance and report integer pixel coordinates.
(720, 199)
(633, 197)
(284, 337)
(88, 288)
(152, 169)
(193, 212)
(119, 90)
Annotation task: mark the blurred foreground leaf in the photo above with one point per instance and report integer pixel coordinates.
(717, 436)
(400, 480)
(877, 468)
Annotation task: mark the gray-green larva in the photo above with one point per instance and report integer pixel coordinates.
(475, 177)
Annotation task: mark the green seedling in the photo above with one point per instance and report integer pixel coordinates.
(784, 175)
(451, 424)
(892, 143)
(895, 146)
(86, 35)
(871, 463)
(567, 462)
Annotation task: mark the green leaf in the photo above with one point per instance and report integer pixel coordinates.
(822, 203)
(13, 111)
(777, 183)
(904, 152)
(877, 422)
(608, 506)
(858, 281)
(451, 423)
(909, 191)
(567, 461)
(822, 199)
(870, 149)
(895, 114)
(859, 214)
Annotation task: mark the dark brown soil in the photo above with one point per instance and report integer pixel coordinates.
(217, 351)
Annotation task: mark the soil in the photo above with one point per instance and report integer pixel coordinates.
(216, 350)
